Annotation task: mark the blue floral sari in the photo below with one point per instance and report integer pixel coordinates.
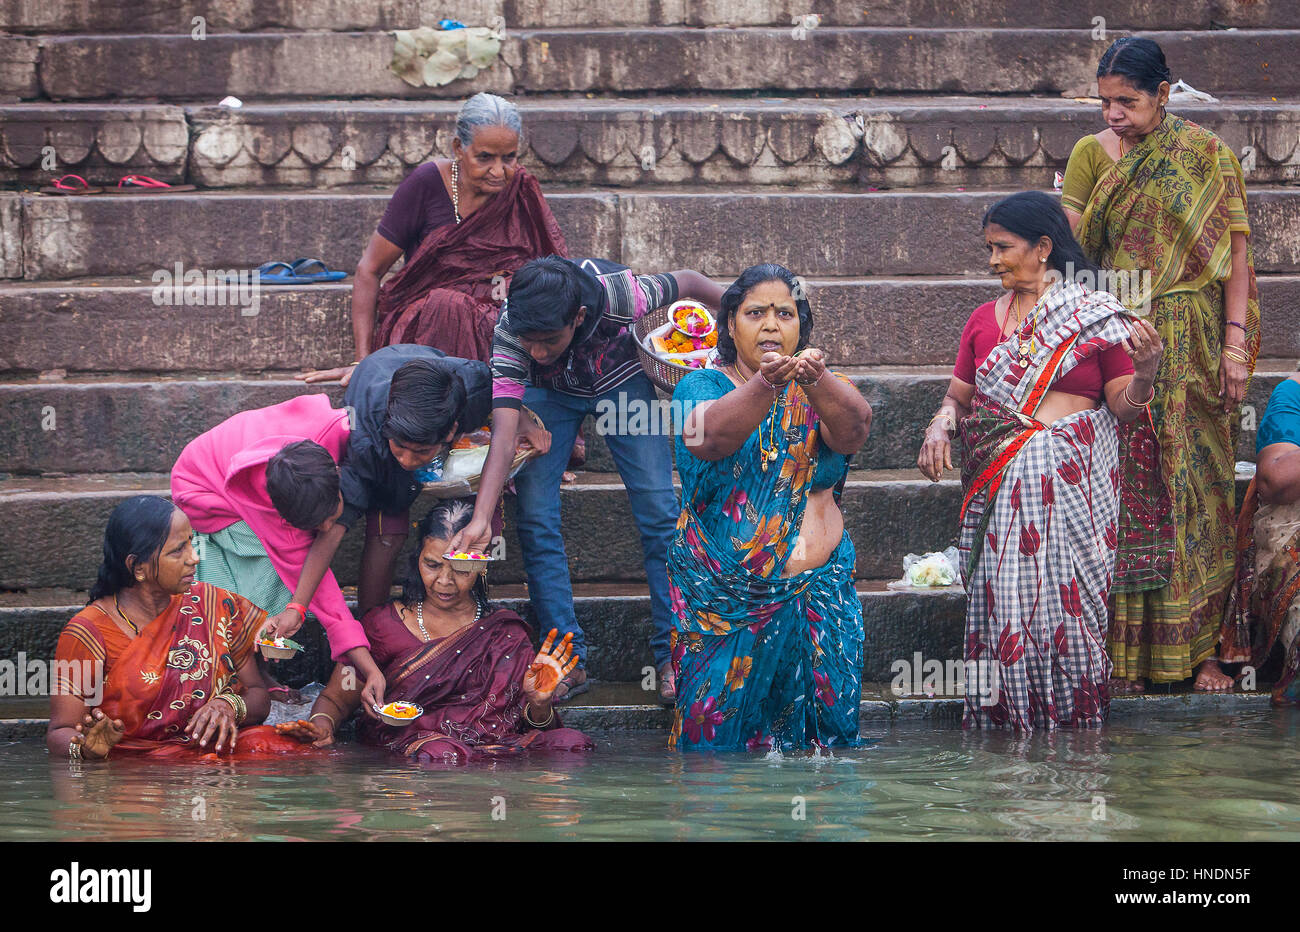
(762, 661)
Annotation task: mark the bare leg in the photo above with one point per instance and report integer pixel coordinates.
(378, 558)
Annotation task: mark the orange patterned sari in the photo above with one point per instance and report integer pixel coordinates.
(156, 681)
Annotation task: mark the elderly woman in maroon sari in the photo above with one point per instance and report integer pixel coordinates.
(465, 225)
(467, 663)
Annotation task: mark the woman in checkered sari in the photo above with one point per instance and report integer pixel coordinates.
(1045, 376)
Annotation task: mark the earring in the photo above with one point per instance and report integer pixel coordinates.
(1042, 260)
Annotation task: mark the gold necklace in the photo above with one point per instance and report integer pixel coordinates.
(767, 455)
(1027, 345)
(124, 618)
(455, 188)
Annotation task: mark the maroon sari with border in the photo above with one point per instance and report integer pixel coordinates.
(449, 293)
(469, 685)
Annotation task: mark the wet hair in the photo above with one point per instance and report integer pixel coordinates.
(442, 522)
(750, 279)
(138, 527)
(484, 110)
(1141, 61)
(545, 295)
(303, 482)
(425, 398)
(1034, 214)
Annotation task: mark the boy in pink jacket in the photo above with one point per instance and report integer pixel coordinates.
(262, 491)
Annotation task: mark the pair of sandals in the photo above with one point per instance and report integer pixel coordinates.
(298, 272)
(130, 184)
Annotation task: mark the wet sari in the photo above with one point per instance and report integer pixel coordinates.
(1169, 206)
(1039, 528)
(470, 686)
(156, 681)
(449, 293)
(762, 660)
(1264, 607)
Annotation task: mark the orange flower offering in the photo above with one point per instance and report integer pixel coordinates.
(692, 319)
(402, 710)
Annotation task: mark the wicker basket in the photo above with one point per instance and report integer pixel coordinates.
(665, 375)
(464, 488)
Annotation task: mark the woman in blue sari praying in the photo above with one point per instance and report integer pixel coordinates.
(767, 646)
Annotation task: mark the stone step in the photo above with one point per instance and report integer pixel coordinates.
(615, 618)
(606, 61)
(51, 529)
(610, 708)
(860, 234)
(802, 143)
(88, 16)
(132, 426)
(113, 326)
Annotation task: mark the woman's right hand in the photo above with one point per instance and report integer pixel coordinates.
(341, 374)
(778, 369)
(97, 734)
(936, 452)
(317, 731)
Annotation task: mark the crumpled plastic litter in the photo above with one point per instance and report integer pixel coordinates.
(231, 102)
(428, 57)
(285, 712)
(1245, 469)
(929, 570)
(1182, 92)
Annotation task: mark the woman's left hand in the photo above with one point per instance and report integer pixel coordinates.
(216, 719)
(1144, 348)
(1232, 380)
(811, 366)
(554, 662)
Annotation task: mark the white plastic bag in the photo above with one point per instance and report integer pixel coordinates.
(929, 571)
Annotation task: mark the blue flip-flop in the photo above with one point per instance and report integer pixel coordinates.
(326, 274)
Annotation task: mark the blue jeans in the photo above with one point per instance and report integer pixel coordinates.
(646, 464)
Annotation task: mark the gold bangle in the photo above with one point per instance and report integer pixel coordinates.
(538, 725)
(1236, 354)
(947, 417)
(333, 724)
(236, 704)
(1145, 404)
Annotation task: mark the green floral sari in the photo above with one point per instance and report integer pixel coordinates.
(1169, 207)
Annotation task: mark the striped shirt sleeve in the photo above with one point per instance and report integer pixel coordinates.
(510, 366)
(629, 297)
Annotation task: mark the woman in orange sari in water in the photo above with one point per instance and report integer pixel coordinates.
(159, 664)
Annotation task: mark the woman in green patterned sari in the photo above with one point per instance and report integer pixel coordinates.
(1162, 199)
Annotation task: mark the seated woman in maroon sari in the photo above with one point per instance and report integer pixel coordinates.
(468, 664)
(157, 664)
(465, 225)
